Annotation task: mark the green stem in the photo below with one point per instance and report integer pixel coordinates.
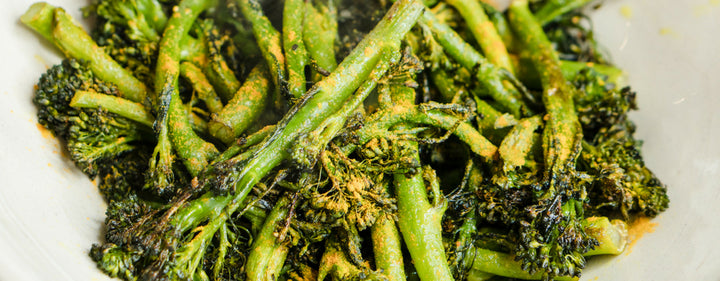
(555, 8)
(419, 223)
(217, 69)
(562, 128)
(612, 238)
(251, 140)
(60, 29)
(529, 76)
(172, 116)
(320, 34)
(269, 41)
(502, 264)
(294, 47)
(379, 123)
(518, 142)
(125, 108)
(267, 254)
(487, 74)
(245, 107)
(202, 86)
(418, 219)
(223, 245)
(387, 247)
(488, 114)
(484, 32)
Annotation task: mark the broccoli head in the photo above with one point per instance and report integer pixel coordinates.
(623, 183)
(95, 137)
(599, 103)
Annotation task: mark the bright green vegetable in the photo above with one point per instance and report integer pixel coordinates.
(418, 156)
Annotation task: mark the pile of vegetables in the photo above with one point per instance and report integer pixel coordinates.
(346, 140)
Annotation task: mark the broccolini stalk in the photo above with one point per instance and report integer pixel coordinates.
(153, 12)
(61, 30)
(387, 247)
(379, 123)
(202, 86)
(244, 143)
(611, 235)
(320, 34)
(484, 32)
(488, 75)
(244, 108)
(501, 25)
(502, 264)
(562, 132)
(125, 108)
(517, 144)
(419, 219)
(269, 41)
(294, 47)
(172, 121)
(267, 254)
(419, 223)
(529, 76)
(217, 69)
(204, 52)
(555, 8)
(490, 115)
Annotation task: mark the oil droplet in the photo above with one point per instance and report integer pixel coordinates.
(626, 11)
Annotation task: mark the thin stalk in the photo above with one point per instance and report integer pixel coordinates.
(202, 86)
(378, 125)
(555, 8)
(484, 32)
(243, 143)
(387, 247)
(267, 254)
(294, 46)
(172, 122)
(120, 106)
(502, 264)
(245, 107)
(488, 75)
(60, 29)
(488, 114)
(320, 34)
(419, 220)
(217, 69)
(529, 76)
(269, 41)
(562, 129)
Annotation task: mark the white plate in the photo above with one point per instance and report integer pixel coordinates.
(50, 213)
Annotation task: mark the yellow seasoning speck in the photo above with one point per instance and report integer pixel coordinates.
(626, 11)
